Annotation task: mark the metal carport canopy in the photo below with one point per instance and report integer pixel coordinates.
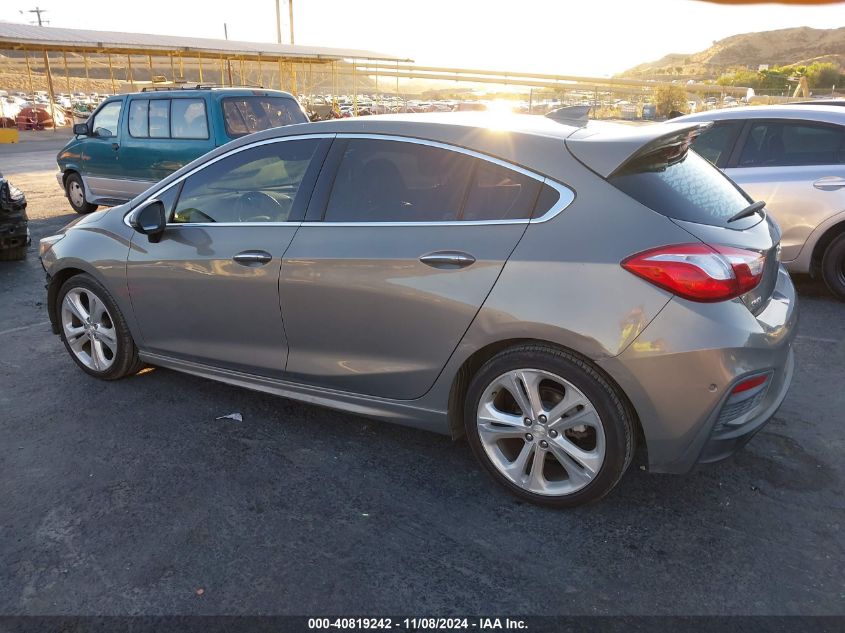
(25, 37)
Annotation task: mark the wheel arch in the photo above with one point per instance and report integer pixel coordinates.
(54, 284)
(474, 362)
(830, 234)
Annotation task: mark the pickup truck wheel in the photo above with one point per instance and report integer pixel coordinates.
(833, 267)
(75, 191)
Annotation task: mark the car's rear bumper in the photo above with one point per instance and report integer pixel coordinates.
(680, 372)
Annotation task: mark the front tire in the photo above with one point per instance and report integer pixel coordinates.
(75, 192)
(94, 330)
(833, 266)
(548, 426)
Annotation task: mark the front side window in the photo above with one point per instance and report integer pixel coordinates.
(258, 184)
(106, 120)
(245, 115)
(793, 143)
(394, 181)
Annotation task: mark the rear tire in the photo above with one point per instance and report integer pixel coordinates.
(565, 441)
(13, 254)
(833, 267)
(94, 330)
(75, 192)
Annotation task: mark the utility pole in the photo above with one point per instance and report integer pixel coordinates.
(290, 14)
(228, 61)
(278, 23)
(37, 11)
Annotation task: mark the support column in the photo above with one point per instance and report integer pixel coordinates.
(67, 73)
(111, 76)
(28, 71)
(50, 91)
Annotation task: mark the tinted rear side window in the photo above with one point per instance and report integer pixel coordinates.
(245, 115)
(780, 143)
(691, 189)
(394, 181)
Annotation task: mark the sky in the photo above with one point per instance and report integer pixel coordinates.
(583, 37)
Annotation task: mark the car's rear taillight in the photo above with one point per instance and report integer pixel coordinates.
(699, 272)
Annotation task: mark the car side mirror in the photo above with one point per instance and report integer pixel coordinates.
(150, 219)
(81, 129)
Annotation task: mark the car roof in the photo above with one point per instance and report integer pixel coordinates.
(216, 91)
(821, 113)
(419, 124)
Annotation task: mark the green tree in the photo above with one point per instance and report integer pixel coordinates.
(668, 98)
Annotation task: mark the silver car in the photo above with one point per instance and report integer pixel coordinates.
(793, 157)
(563, 296)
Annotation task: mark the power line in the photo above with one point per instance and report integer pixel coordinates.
(37, 11)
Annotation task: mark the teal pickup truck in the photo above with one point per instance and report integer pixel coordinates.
(134, 140)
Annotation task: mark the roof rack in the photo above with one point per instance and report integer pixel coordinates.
(195, 87)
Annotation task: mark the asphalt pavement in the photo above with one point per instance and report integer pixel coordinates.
(131, 497)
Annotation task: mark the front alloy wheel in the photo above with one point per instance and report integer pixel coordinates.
(94, 330)
(89, 329)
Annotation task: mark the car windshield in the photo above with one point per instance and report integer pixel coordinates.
(245, 115)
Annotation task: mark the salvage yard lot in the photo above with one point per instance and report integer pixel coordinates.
(131, 497)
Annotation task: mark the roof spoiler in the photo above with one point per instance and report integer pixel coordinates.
(577, 115)
(610, 149)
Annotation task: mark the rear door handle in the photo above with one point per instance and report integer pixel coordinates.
(448, 259)
(829, 183)
(253, 258)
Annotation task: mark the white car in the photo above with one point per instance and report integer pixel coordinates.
(793, 158)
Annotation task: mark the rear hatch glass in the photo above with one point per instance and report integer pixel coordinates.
(689, 189)
(248, 114)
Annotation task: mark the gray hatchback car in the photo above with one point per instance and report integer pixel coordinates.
(561, 295)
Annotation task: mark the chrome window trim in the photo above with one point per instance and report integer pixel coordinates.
(565, 195)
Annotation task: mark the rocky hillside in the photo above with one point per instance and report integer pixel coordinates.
(800, 45)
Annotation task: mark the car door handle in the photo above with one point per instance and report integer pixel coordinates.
(115, 146)
(448, 259)
(829, 183)
(253, 258)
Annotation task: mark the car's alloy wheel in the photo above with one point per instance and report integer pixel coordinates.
(89, 329)
(548, 425)
(541, 432)
(94, 330)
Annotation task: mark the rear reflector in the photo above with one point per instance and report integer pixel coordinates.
(751, 383)
(699, 272)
